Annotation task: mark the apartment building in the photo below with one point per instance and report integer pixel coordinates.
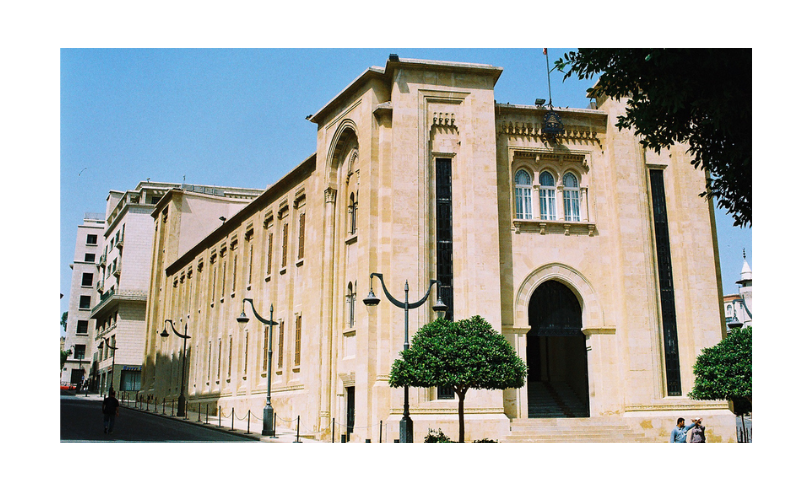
(83, 294)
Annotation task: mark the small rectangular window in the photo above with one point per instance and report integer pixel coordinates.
(80, 351)
(91, 239)
(83, 326)
(85, 302)
(86, 280)
(88, 257)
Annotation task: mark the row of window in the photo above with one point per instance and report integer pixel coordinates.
(548, 208)
(280, 358)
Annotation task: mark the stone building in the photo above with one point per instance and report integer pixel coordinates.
(739, 306)
(123, 273)
(593, 257)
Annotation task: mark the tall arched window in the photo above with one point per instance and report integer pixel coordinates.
(522, 191)
(572, 199)
(351, 305)
(547, 196)
(352, 210)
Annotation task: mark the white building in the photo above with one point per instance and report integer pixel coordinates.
(83, 295)
(739, 306)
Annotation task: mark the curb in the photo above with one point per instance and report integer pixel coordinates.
(239, 433)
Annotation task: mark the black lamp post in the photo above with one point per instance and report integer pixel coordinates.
(165, 334)
(268, 429)
(406, 425)
(113, 362)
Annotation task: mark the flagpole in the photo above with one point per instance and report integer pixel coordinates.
(549, 92)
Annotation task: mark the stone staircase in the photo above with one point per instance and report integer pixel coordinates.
(554, 400)
(573, 430)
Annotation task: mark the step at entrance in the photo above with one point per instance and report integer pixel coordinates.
(573, 430)
(554, 400)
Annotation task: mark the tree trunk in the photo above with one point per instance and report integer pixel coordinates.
(461, 394)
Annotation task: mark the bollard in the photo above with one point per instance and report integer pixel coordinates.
(298, 430)
(206, 413)
(219, 417)
(232, 418)
(333, 431)
(248, 421)
(380, 435)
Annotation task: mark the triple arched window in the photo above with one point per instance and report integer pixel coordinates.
(550, 205)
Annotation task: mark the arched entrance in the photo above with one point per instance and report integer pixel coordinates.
(557, 371)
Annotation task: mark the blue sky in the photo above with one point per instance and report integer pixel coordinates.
(237, 118)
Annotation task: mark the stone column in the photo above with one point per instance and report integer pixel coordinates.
(584, 204)
(326, 330)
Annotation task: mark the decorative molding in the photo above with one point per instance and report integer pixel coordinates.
(544, 227)
(534, 130)
(711, 405)
(330, 195)
(448, 411)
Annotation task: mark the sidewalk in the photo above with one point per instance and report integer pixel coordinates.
(234, 425)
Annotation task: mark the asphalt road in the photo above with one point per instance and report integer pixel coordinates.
(82, 421)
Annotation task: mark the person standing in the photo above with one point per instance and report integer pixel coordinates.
(678, 434)
(110, 411)
(698, 433)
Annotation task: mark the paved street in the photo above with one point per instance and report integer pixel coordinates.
(82, 421)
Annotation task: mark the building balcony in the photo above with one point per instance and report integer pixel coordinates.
(112, 299)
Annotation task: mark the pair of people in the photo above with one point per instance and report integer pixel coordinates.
(697, 435)
(110, 411)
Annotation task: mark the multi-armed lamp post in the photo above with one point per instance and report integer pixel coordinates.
(268, 428)
(406, 425)
(185, 336)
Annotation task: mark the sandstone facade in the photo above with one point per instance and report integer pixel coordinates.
(598, 263)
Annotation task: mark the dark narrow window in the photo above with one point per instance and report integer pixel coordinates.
(301, 236)
(280, 345)
(661, 227)
(444, 244)
(297, 329)
(284, 244)
(86, 280)
(269, 253)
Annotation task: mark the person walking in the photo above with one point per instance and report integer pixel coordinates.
(698, 433)
(678, 434)
(110, 411)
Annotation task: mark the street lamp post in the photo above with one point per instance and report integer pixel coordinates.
(113, 362)
(268, 428)
(406, 425)
(165, 334)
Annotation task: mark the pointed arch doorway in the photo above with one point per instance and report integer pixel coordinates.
(558, 380)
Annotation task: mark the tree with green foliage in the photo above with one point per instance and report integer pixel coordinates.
(702, 97)
(64, 320)
(461, 355)
(64, 356)
(724, 371)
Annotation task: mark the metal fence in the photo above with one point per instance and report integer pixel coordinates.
(744, 434)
